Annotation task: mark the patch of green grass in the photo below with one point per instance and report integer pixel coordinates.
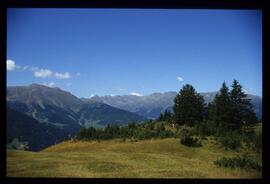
(156, 158)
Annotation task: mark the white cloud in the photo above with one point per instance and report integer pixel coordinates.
(42, 73)
(136, 94)
(112, 94)
(180, 79)
(78, 74)
(92, 95)
(10, 65)
(65, 75)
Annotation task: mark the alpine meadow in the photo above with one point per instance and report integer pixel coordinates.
(134, 93)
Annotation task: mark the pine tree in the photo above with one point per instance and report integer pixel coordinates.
(188, 106)
(220, 110)
(241, 110)
(169, 116)
(209, 111)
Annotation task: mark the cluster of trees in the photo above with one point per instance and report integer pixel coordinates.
(166, 116)
(230, 117)
(146, 130)
(230, 110)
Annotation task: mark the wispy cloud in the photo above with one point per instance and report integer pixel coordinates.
(32, 68)
(65, 75)
(25, 67)
(39, 72)
(78, 74)
(92, 95)
(136, 94)
(180, 79)
(120, 89)
(42, 73)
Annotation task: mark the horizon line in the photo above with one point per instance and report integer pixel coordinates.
(90, 96)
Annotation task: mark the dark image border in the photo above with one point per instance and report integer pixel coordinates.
(139, 4)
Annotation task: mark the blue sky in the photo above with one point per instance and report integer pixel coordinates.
(138, 51)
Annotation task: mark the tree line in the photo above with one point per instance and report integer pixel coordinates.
(230, 109)
(229, 118)
(146, 130)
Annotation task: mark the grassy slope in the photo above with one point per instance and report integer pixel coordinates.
(159, 158)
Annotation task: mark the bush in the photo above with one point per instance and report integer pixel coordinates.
(142, 134)
(150, 125)
(243, 161)
(253, 140)
(160, 127)
(230, 140)
(186, 137)
(165, 133)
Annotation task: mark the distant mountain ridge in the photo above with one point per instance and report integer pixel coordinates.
(58, 107)
(56, 110)
(150, 106)
(62, 114)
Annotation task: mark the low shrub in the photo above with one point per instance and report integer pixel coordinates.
(191, 141)
(243, 161)
(142, 134)
(230, 140)
(253, 140)
(165, 134)
(187, 138)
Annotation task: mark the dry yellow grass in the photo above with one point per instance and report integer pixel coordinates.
(161, 158)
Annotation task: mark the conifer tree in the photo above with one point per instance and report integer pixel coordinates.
(241, 109)
(188, 106)
(221, 107)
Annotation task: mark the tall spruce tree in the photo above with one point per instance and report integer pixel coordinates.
(188, 106)
(220, 109)
(241, 109)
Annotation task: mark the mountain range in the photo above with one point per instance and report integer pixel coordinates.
(53, 108)
(150, 106)
(39, 116)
